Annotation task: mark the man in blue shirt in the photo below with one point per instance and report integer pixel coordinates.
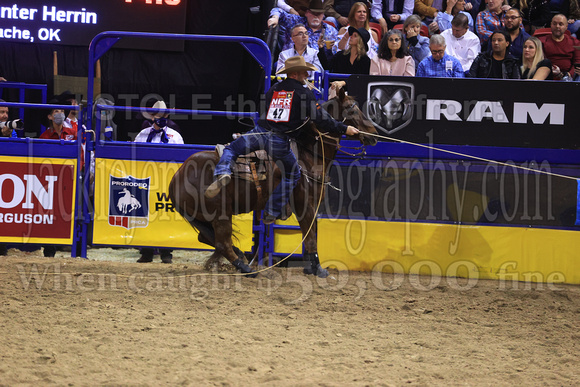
(439, 64)
(513, 20)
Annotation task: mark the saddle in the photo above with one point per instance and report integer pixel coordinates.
(250, 167)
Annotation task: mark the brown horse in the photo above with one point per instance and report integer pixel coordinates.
(213, 217)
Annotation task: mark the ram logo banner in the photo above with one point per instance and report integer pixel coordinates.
(128, 202)
(390, 105)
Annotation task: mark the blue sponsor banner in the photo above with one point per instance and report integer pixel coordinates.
(129, 202)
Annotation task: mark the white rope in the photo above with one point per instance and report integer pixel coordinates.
(469, 156)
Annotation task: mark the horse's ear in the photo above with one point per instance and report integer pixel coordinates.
(341, 94)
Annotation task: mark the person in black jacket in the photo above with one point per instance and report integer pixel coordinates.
(354, 59)
(496, 62)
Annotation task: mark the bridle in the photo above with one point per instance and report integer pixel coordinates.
(359, 151)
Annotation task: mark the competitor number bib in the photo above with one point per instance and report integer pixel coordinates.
(280, 106)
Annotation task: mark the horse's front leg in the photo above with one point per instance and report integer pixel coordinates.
(224, 246)
(305, 212)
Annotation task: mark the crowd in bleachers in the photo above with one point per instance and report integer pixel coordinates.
(529, 39)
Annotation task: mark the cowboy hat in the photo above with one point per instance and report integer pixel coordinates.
(67, 96)
(296, 63)
(157, 105)
(364, 35)
(316, 6)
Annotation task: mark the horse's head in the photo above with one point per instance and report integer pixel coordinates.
(344, 108)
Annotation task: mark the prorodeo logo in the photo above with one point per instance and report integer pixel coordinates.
(390, 105)
(128, 202)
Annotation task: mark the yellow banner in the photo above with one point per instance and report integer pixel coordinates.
(37, 197)
(132, 208)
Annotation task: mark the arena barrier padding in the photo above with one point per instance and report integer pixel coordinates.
(40, 202)
(410, 205)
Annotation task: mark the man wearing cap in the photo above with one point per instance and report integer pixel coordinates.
(288, 104)
(312, 20)
(159, 132)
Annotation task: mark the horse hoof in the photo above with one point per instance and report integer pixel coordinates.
(317, 270)
(322, 273)
(244, 268)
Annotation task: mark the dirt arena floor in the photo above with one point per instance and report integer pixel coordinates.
(109, 321)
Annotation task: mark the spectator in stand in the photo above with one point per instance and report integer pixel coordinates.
(461, 43)
(293, 7)
(55, 130)
(451, 9)
(574, 18)
(338, 12)
(571, 10)
(312, 20)
(535, 13)
(54, 122)
(417, 45)
(513, 20)
(159, 132)
(439, 64)
(559, 48)
(497, 63)
(299, 36)
(389, 13)
(358, 17)
(68, 98)
(393, 57)
(6, 130)
(534, 65)
(148, 120)
(490, 20)
(354, 59)
(427, 11)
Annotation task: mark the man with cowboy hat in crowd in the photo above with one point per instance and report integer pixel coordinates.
(312, 20)
(289, 105)
(159, 132)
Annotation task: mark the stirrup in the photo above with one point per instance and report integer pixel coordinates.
(214, 188)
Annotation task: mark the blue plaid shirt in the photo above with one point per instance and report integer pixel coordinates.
(287, 21)
(487, 22)
(447, 67)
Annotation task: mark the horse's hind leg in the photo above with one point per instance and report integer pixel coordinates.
(310, 256)
(207, 235)
(223, 246)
